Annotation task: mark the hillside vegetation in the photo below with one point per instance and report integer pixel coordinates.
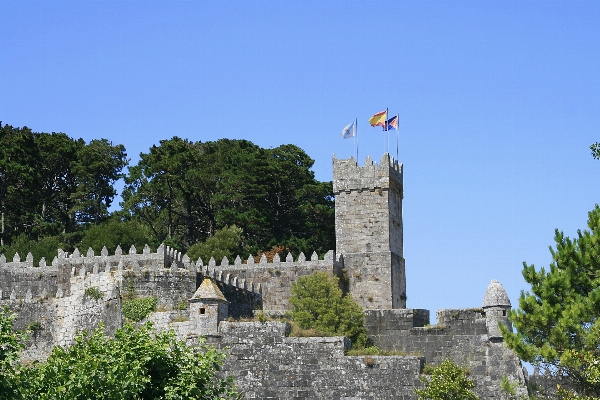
(57, 192)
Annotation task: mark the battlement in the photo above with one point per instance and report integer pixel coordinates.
(165, 274)
(272, 280)
(288, 262)
(349, 176)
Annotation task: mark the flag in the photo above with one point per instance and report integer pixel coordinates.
(392, 123)
(379, 119)
(349, 131)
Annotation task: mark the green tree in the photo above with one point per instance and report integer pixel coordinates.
(53, 185)
(135, 364)
(318, 303)
(165, 190)
(446, 381)
(98, 167)
(58, 182)
(226, 242)
(187, 191)
(19, 178)
(11, 344)
(557, 323)
(116, 232)
(595, 150)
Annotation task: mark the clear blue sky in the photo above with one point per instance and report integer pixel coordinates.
(498, 103)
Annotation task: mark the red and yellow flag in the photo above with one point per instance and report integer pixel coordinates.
(379, 119)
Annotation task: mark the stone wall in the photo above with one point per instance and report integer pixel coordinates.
(267, 364)
(54, 299)
(275, 278)
(461, 335)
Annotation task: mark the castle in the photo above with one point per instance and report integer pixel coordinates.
(198, 299)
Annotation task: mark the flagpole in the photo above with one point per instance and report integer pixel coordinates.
(387, 132)
(356, 137)
(397, 134)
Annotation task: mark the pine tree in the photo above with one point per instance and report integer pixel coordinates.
(557, 323)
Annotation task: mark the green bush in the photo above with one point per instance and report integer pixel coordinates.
(35, 326)
(11, 344)
(135, 364)
(226, 242)
(45, 247)
(137, 309)
(116, 233)
(446, 381)
(94, 293)
(318, 303)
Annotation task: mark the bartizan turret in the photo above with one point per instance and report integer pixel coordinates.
(496, 305)
(208, 307)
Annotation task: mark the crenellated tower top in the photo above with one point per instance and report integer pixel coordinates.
(348, 175)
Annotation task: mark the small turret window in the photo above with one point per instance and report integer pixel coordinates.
(202, 311)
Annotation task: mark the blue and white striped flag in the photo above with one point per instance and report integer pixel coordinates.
(349, 131)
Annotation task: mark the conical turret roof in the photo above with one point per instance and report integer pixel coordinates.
(208, 290)
(495, 296)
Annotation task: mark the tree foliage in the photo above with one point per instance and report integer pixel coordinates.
(446, 381)
(318, 303)
(595, 148)
(557, 323)
(52, 185)
(18, 180)
(11, 344)
(135, 364)
(226, 242)
(186, 191)
(58, 190)
(97, 168)
(116, 232)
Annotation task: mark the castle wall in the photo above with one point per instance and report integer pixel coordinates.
(275, 278)
(266, 364)
(54, 298)
(461, 335)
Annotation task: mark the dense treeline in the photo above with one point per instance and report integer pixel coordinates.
(56, 191)
(53, 186)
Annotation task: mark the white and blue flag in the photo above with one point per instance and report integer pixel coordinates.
(349, 131)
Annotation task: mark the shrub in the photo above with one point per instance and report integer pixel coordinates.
(11, 344)
(447, 381)
(226, 242)
(35, 326)
(135, 364)
(137, 309)
(318, 303)
(94, 293)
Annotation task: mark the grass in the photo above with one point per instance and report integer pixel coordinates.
(94, 293)
(376, 351)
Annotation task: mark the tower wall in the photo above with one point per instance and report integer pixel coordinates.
(368, 228)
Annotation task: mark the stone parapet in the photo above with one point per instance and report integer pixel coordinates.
(349, 176)
(266, 364)
(272, 280)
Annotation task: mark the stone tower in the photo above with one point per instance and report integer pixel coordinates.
(208, 307)
(368, 230)
(496, 305)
